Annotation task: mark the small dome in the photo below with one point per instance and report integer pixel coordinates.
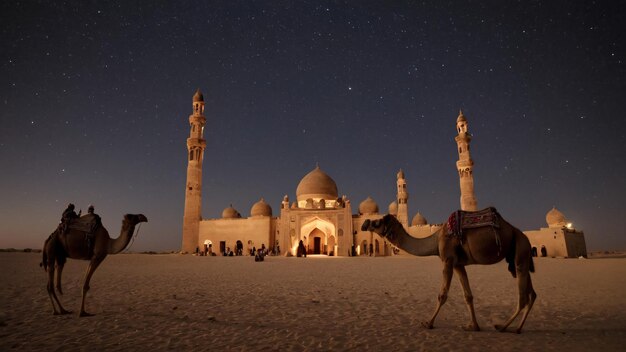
(316, 185)
(555, 218)
(393, 208)
(261, 208)
(461, 117)
(418, 219)
(400, 174)
(198, 96)
(368, 206)
(230, 213)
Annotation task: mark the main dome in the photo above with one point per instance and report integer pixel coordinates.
(316, 185)
(555, 218)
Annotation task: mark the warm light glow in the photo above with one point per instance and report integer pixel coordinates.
(569, 225)
(294, 249)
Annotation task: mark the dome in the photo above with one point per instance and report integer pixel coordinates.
(393, 208)
(198, 96)
(261, 208)
(400, 174)
(461, 117)
(555, 218)
(418, 219)
(368, 206)
(316, 185)
(230, 213)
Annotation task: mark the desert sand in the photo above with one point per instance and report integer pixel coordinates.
(184, 302)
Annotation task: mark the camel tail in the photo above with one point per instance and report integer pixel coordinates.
(510, 256)
(510, 259)
(44, 262)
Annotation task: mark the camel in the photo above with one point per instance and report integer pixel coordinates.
(76, 244)
(479, 245)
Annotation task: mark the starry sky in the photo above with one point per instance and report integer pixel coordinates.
(95, 98)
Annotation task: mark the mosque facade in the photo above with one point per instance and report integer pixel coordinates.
(319, 218)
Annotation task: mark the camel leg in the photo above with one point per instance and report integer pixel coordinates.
(525, 299)
(93, 265)
(443, 295)
(531, 300)
(52, 294)
(59, 275)
(469, 298)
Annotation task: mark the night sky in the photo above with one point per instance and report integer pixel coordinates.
(95, 99)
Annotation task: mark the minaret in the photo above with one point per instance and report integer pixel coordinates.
(465, 165)
(193, 193)
(403, 198)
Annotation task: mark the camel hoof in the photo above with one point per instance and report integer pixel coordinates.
(500, 328)
(85, 314)
(61, 312)
(471, 327)
(427, 325)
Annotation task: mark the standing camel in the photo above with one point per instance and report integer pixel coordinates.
(77, 243)
(478, 245)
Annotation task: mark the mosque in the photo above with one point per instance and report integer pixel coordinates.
(324, 221)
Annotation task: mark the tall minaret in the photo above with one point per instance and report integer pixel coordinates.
(403, 198)
(465, 165)
(193, 193)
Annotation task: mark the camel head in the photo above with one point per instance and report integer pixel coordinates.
(135, 219)
(380, 226)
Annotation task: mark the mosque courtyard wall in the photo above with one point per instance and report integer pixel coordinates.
(252, 232)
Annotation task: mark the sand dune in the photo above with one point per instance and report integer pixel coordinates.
(175, 302)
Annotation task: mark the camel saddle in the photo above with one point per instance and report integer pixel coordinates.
(460, 220)
(87, 223)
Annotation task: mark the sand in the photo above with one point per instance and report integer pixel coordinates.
(184, 302)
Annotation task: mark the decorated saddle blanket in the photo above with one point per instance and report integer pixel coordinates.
(460, 220)
(86, 223)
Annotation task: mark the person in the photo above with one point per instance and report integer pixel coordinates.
(69, 213)
(371, 249)
(89, 236)
(67, 216)
(90, 211)
(301, 249)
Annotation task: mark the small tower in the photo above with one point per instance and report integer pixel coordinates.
(403, 198)
(465, 165)
(193, 193)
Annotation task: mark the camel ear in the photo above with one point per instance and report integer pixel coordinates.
(366, 225)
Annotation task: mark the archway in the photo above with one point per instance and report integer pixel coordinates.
(316, 242)
(315, 234)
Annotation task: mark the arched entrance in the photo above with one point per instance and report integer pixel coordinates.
(316, 242)
(315, 234)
